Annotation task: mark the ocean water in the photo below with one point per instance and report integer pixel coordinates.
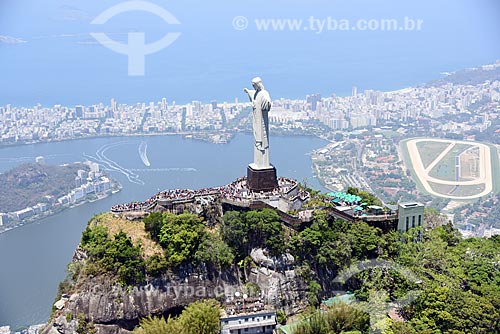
(52, 58)
(33, 258)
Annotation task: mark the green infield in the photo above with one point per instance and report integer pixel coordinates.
(430, 150)
(454, 169)
(445, 169)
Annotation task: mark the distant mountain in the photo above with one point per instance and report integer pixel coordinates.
(470, 76)
(28, 184)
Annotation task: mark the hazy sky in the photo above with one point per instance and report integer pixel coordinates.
(48, 56)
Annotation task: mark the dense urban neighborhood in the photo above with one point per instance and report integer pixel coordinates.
(364, 130)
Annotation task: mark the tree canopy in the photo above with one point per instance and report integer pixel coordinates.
(201, 317)
(458, 279)
(115, 255)
(243, 231)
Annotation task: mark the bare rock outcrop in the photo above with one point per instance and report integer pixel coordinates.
(112, 308)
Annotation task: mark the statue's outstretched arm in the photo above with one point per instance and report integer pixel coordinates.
(250, 93)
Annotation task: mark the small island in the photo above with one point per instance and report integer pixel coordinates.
(37, 190)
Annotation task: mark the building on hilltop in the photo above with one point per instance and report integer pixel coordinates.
(410, 215)
(402, 218)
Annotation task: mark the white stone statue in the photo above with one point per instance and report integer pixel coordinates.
(261, 105)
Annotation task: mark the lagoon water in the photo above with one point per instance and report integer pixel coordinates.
(33, 258)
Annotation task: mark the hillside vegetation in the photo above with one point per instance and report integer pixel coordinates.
(27, 184)
(458, 280)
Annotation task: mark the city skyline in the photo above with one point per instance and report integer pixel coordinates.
(369, 174)
(359, 110)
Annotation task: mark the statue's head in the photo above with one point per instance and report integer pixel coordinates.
(257, 83)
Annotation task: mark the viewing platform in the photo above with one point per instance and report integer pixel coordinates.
(287, 196)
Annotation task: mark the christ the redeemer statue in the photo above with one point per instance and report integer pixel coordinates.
(261, 175)
(261, 102)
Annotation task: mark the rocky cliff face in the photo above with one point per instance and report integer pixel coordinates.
(111, 308)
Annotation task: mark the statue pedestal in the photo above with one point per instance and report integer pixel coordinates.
(261, 179)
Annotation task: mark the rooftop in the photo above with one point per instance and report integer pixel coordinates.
(410, 204)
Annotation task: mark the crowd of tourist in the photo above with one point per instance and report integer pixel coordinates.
(235, 191)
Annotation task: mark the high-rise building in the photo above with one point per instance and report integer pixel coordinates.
(4, 219)
(113, 105)
(163, 104)
(94, 167)
(354, 91)
(337, 123)
(313, 100)
(196, 106)
(79, 111)
(214, 104)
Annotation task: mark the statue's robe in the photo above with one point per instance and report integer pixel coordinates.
(261, 105)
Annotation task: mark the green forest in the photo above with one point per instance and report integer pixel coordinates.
(458, 280)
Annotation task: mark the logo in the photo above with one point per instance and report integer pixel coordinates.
(136, 48)
(240, 23)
